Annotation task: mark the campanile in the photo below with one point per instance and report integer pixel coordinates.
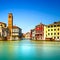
(10, 23)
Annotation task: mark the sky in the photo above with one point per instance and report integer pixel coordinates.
(29, 13)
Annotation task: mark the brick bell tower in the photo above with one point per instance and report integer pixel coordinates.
(10, 25)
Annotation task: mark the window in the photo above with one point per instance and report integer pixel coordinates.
(54, 25)
(48, 29)
(38, 31)
(15, 30)
(9, 16)
(54, 33)
(58, 25)
(51, 26)
(51, 29)
(41, 37)
(57, 37)
(58, 33)
(51, 33)
(5, 25)
(54, 29)
(54, 37)
(1, 25)
(58, 29)
(48, 26)
(48, 33)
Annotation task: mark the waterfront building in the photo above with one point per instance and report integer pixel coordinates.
(32, 34)
(27, 35)
(39, 29)
(3, 24)
(10, 32)
(16, 33)
(23, 35)
(3, 31)
(53, 31)
(38, 32)
(45, 32)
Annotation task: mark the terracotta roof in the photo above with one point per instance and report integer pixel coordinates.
(16, 27)
(2, 23)
(39, 25)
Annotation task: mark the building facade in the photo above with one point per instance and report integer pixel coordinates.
(32, 34)
(39, 29)
(3, 31)
(16, 33)
(38, 32)
(46, 32)
(27, 35)
(53, 31)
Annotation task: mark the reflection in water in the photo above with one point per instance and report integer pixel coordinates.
(29, 50)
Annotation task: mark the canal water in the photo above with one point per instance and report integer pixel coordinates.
(29, 50)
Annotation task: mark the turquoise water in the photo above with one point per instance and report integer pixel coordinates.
(29, 50)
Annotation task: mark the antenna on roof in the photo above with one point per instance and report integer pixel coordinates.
(41, 22)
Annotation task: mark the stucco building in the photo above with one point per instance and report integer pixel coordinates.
(32, 34)
(39, 35)
(27, 35)
(53, 31)
(16, 33)
(3, 31)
